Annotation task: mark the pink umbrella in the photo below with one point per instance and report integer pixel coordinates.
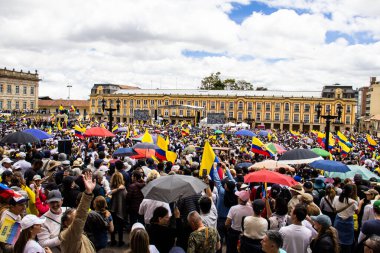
(98, 132)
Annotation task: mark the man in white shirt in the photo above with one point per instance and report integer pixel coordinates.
(148, 206)
(21, 163)
(50, 229)
(296, 236)
(209, 213)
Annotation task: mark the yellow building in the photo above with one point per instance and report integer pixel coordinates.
(273, 109)
(48, 106)
(18, 90)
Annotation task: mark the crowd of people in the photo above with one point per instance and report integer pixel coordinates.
(88, 200)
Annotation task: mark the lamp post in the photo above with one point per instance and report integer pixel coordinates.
(110, 111)
(69, 86)
(328, 117)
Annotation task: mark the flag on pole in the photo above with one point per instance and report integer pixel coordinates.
(208, 159)
(115, 128)
(147, 137)
(371, 142)
(259, 148)
(72, 109)
(79, 131)
(60, 108)
(163, 148)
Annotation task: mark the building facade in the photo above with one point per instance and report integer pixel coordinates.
(18, 90)
(273, 109)
(49, 106)
(369, 102)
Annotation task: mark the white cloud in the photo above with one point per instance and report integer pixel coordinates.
(141, 42)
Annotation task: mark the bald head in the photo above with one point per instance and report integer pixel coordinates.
(194, 220)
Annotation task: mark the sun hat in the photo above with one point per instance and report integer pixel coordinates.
(243, 195)
(319, 183)
(53, 164)
(297, 188)
(323, 220)
(54, 195)
(30, 220)
(372, 191)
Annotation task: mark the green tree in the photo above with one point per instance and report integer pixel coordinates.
(212, 82)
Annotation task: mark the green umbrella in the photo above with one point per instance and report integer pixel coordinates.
(321, 152)
(218, 132)
(354, 169)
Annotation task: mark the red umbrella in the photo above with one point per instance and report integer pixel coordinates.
(268, 176)
(99, 132)
(144, 153)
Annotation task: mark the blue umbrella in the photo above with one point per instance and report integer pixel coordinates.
(263, 133)
(362, 139)
(125, 152)
(39, 134)
(245, 132)
(330, 166)
(243, 165)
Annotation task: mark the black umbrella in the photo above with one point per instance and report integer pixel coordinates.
(145, 145)
(299, 156)
(173, 187)
(19, 138)
(125, 152)
(243, 165)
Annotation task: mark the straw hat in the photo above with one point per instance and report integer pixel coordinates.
(53, 164)
(297, 188)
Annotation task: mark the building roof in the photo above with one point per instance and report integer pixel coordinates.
(64, 102)
(128, 87)
(232, 93)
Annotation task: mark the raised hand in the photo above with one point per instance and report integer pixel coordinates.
(89, 183)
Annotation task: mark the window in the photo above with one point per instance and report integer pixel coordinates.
(296, 117)
(348, 108)
(125, 111)
(32, 105)
(195, 103)
(212, 105)
(240, 106)
(249, 115)
(240, 116)
(258, 116)
(145, 102)
(9, 89)
(222, 105)
(287, 107)
(93, 102)
(31, 90)
(188, 102)
(348, 120)
(9, 104)
(267, 116)
(306, 118)
(131, 103)
(159, 112)
(204, 104)
(1, 104)
(1, 88)
(17, 105)
(166, 102)
(231, 105)
(231, 115)
(296, 107)
(286, 117)
(173, 112)
(316, 119)
(125, 102)
(277, 107)
(307, 108)
(152, 102)
(24, 90)
(267, 107)
(276, 117)
(188, 113)
(24, 105)
(250, 106)
(328, 108)
(159, 102)
(131, 111)
(258, 106)
(180, 112)
(174, 102)
(181, 102)
(138, 102)
(166, 113)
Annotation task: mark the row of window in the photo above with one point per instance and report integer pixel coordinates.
(17, 89)
(17, 105)
(222, 105)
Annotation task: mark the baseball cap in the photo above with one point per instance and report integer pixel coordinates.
(376, 204)
(19, 199)
(371, 191)
(21, 154)
(6, 160)
(243, 195)
(54, 195)
(30, 220)
(323, 220)
(37, 177)
(66, 163)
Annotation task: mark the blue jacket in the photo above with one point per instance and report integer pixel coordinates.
(222, 209)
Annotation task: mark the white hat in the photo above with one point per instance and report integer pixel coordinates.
(103, 168)
(6, 160)
(37, 177)
(137, 225)
(30, 220)
(21, 154)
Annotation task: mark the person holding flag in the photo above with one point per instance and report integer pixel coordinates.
(259, 148)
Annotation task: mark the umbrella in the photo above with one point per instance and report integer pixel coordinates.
(299, 156)
(218, 132)
(331, 166)
(125, 152)
(143, 153)
(122, 129)
(19, 138)
(354, 169)
(98, 132)
(173, 187)
(321, 152)
(271, 165)
(245, 132)
(243, 165)
(41, 135)
(268, 176)
(275, 148)
(263, 133)
(145, 145)
(362, 139)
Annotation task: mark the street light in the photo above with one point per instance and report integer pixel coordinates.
(69, 86)
(328, 119)
(110, 111)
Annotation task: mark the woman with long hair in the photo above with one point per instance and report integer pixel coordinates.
(345, 208)
(101, 238)
(139, 240)
(26, 242)
(327, 239)
(118, 206)
(326, 204)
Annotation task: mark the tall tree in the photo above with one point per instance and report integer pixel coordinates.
(212, 82)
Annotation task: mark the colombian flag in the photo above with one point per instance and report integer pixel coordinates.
(259, 148)
(371, 142)
(72, 109)
(79, 131)
(185, 131)
(294, 134)
(163, 148)
(208, 159)
(344, 149)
